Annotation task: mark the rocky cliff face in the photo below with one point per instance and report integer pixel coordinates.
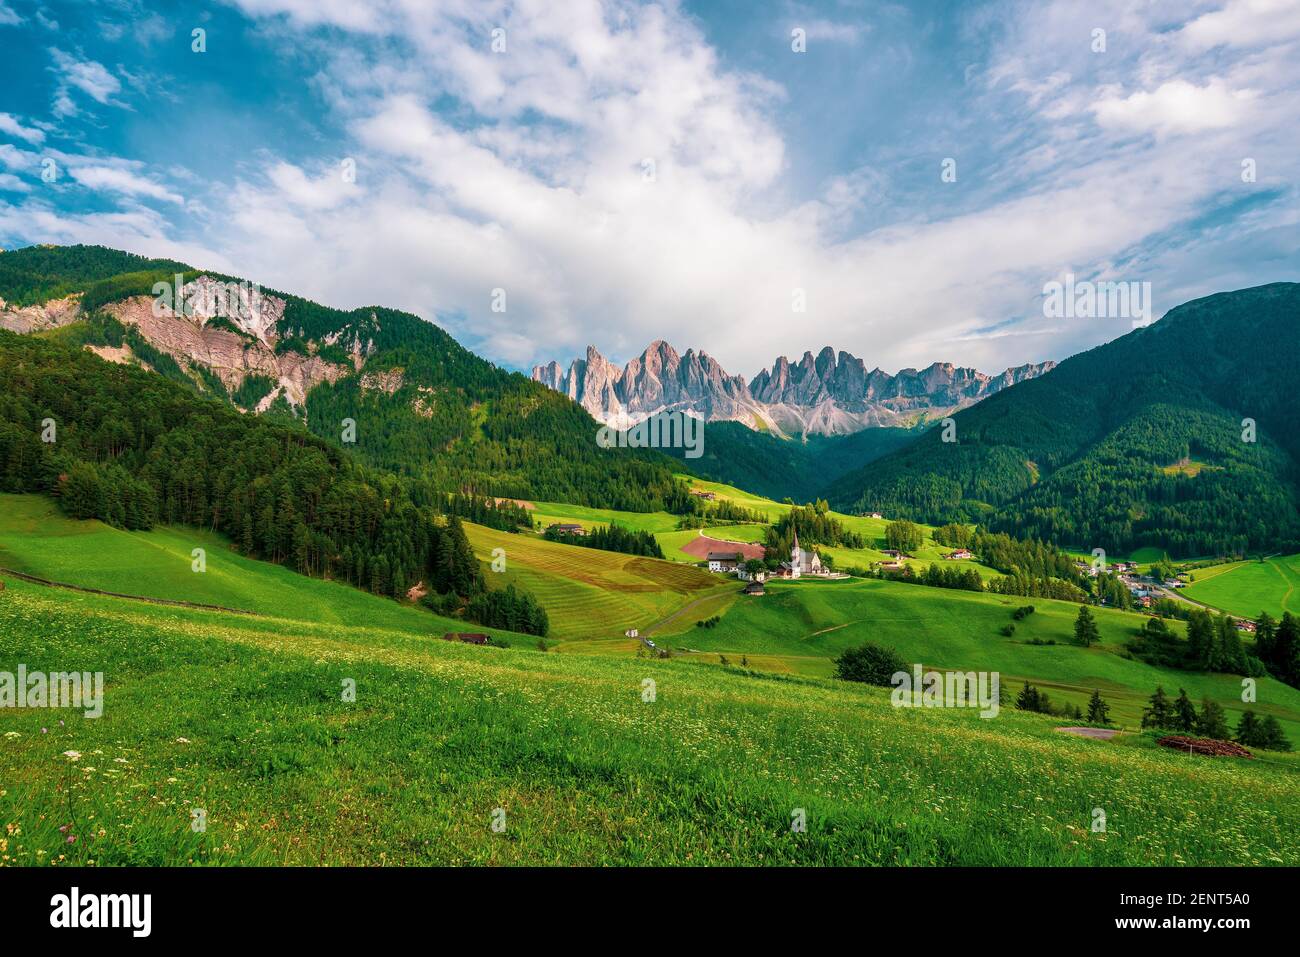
(242, 344)
(48, 315)
(659, 380)
(828, 393)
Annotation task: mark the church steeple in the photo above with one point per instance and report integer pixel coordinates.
(794, 549)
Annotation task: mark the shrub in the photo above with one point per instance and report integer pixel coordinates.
(870, 664)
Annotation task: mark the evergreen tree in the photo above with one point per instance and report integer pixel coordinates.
(1085, 628)
(1184, 714)
(1271, 735)
(1200, 639)
(1211, 722)
(1158, 713)
(1248, 730)
(1098, 711)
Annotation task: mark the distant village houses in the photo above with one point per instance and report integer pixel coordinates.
(566, 528)
(958, 555)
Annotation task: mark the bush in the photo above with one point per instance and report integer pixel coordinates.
(870, 664)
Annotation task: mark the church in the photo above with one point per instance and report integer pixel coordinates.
(801, 562)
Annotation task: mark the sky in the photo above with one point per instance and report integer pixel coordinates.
(899, 181)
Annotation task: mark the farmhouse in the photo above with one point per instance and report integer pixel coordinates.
(959, 554)
(754, 588)
(566, 528)
(724, 561)
(874, 515)
(892, 565)
(700, 493)
(1246, 625)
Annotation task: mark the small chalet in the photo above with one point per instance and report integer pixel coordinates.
(958, 555)
(1246, 625)
(700, 493)
(754, 588)
(469, 637)
(724, 561)
(892, 553)
(893, 565)
(874, 515)
(566, 528)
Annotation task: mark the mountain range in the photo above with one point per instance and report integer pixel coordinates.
(1178, 436)
(827, 394)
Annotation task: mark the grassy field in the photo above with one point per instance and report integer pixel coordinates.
(1247, 588)
(799, 627)
(593, 594)
(242, 717)
(38, 539)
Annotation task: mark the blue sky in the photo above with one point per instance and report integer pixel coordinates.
(528, 168)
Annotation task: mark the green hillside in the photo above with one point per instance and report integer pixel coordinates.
(801, 626)
(1247, 588)
(590, 593)
(37, 539)
(800, 467)
(243, 718)
(1088, 454)
(456, 420)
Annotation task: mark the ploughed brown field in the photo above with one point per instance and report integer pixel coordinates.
(700, 547)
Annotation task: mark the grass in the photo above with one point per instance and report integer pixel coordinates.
(1247, 588)
(242, 717)
(800, 627)
(38, 539)
(589, 593)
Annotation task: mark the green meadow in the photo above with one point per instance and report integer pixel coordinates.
(243, 719)
(589, 593)
(36, 538)
(799, 627)
(1247, 588)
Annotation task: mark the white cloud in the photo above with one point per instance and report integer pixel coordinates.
(89, 77)
(13, 184)
(1244, 23)
(10, 125)
(1175, 107)
(116, 179)
(8, 17)
(535, 184)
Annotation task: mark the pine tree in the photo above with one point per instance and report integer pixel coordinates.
(1085, 628)
(1184, 715)
(1027, 700)
(1098, 711)
(1158, 714)
(1248, 730)
(1232, 656)
(1211, 722)
(1200, 639)
(1271, 736)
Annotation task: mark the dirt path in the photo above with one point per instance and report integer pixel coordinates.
(1101, 734)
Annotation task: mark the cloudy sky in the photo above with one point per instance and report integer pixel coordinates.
(686, 171)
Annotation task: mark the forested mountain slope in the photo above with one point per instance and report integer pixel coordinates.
(1142, 441)
(421, 403)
